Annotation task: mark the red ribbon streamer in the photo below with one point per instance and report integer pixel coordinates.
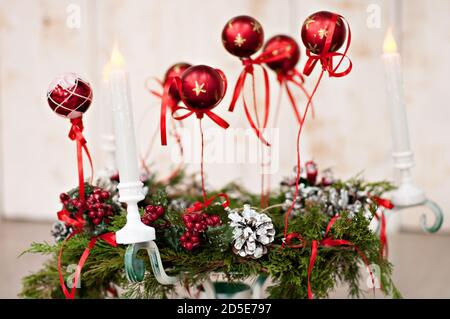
(296, 78)
(165, 102)
(386, 203)
(177, 136)
(198, 206)
(78, 223)
(326, 242)
(76, 134)
(265, 57)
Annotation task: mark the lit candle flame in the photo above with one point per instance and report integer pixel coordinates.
(116, 57)
(389, 45)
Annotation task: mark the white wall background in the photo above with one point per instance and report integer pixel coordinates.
(350, 133)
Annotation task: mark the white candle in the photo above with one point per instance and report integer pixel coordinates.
(407, 193)
(108, 140)
(130, 186)
(392, 63)
(126, 154)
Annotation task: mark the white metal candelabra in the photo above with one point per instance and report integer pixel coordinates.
(135, 233)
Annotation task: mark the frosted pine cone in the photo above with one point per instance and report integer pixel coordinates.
(252, 232)
(59, 231)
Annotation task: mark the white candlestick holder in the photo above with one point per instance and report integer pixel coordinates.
(408, 195)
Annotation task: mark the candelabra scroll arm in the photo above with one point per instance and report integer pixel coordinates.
(438, 214)
(135, 267)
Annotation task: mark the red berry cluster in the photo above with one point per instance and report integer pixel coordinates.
(151, 214)
(195, 225)
(98, 210)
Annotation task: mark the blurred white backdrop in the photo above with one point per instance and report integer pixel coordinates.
(350, 133)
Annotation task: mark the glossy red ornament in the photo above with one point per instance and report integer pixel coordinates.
(242, 36)
(311, 172)
(316, 28)
(202, 87)
(69, 96)
(283, 44)
(175, 71)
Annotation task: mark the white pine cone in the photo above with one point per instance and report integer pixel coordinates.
(252, 232)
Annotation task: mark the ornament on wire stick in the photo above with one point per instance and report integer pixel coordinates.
(70, 96)
(200, 88)
(243, 36)
(323, 34)
(285, 67)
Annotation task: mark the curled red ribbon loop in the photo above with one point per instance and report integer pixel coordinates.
(327, 241)
(199, 206)
(76, 134)
(326, 57)
(78, 223)
(165, 103)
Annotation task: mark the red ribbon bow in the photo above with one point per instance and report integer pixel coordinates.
(326, 57)
(198, 206)
(78, 224)
(326, 242)
(76, 134)
(165, 102)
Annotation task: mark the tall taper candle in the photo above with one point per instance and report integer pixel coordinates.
(107, 136)
(130, 186)
(392, 63)
(407, 193)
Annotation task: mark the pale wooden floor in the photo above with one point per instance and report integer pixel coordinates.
(422, 261)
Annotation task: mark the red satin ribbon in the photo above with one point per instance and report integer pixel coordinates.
(165, 102)
(171, 105)
(78, 223)
(386, 203)
(198, 206)
(296, 78)
(326, 57)
(76, 134)
(326, 242)
(265, 57)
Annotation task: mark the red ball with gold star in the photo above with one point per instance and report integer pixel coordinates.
(317, 28)
(175, 70)
(243, 36)
(283, 44)
(69, 96)
(202, 87)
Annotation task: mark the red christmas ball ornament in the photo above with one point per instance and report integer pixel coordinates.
(316, 29)
(202, 88)
(242, 36)
(283, 44)
(311, 172)
(175, 71)
(69, 96)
